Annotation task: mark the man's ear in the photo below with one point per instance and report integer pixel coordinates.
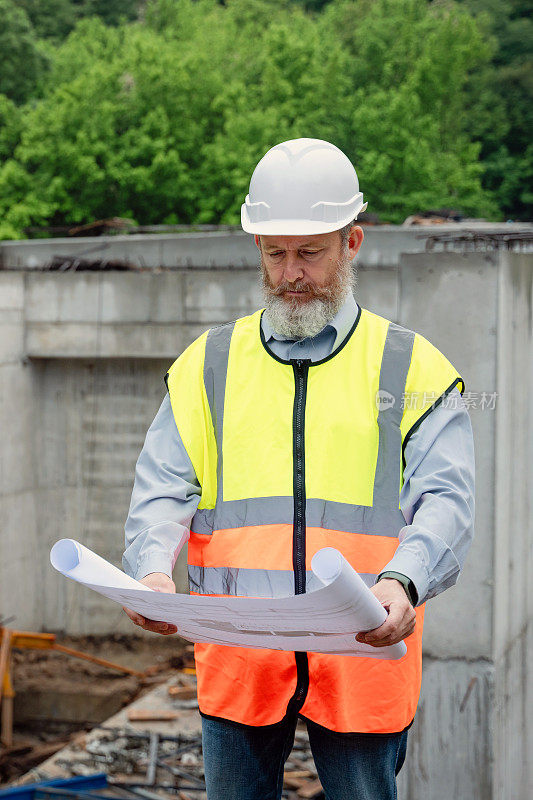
(257, 241)
(355, 240)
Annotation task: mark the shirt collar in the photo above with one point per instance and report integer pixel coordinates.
(341, 323)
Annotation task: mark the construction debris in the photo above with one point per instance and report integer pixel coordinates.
(121, 225)
(59, 698)
(145, 715)
(438, 216)
(79, 264)
(20, 758)
(153, 748)
(149, 759)
(149, 750)
(100, 226)
(182, 692)
(487, 240)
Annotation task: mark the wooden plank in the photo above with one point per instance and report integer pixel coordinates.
(33, 641)
(5, 653)
(154, 715)
(182, 692)
(100, 661)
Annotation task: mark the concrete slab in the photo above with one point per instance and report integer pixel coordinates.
(93, 418)
(11, 290)
(449, 746)
(79, 296)
(42, 296)
(11, 337)
(125, 297)
(513, 608)
(62, 340)
(67, 705)
(17, 455)
(215, 297)
(377, 290)
(167, 297)
(514, 479)
(19, 597)
(222, 248)
(436, 300)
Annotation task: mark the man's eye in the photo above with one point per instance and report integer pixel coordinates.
(276, 254)
(310, 252)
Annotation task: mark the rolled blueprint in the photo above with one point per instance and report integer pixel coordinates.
(332, 568)
(79, 563)
(321, 621)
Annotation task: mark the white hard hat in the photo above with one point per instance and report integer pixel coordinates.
(303, 186)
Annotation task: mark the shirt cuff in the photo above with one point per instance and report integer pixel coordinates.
(155, 562)
(155, 549)
(406, 563)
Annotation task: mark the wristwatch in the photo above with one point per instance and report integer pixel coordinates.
(407, 583)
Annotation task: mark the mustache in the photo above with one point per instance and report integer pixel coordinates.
(324, 293)
(299, 286)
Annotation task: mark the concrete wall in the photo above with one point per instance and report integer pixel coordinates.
(93, 417)
(81, 361)
(453, 300)
(228, 248)
(450, 746)
(18, 524)
(513, 562)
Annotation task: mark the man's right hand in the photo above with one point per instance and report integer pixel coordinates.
(160, 583)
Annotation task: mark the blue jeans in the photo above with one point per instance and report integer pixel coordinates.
(246, 763)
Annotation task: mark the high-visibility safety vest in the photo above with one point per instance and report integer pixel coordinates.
(293, 456)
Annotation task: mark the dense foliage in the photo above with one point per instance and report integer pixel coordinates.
(506, 136)
(159, 111)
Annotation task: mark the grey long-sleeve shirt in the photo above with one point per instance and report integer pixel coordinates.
(437, 497)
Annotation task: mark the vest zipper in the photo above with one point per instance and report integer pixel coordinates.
(301, 370)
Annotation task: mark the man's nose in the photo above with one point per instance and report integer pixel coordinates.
(293, 268)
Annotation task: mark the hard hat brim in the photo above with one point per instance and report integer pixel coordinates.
(290, 227)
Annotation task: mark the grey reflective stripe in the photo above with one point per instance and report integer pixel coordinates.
(392, 377)
(280, 510)
(253, 582)
(215, 370)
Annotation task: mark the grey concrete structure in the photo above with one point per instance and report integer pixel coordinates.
(82, 357)
(228, 248)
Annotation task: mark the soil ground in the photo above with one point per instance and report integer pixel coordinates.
(45, 680)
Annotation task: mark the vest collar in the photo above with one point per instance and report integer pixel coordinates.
(337, 348)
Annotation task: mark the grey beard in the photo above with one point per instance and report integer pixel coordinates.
(296, 320)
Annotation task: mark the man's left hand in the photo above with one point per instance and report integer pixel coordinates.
(401, 619)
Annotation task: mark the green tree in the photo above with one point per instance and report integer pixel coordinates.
(507, 152)
(409, 133)
(10, 127)
(166, 124)
(119, 137)
(163, 120)
(111, 12)
(23, 60)
(54, 19)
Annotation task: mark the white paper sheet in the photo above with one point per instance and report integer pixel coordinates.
(322, 621)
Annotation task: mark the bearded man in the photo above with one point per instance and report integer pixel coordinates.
(287, 431)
